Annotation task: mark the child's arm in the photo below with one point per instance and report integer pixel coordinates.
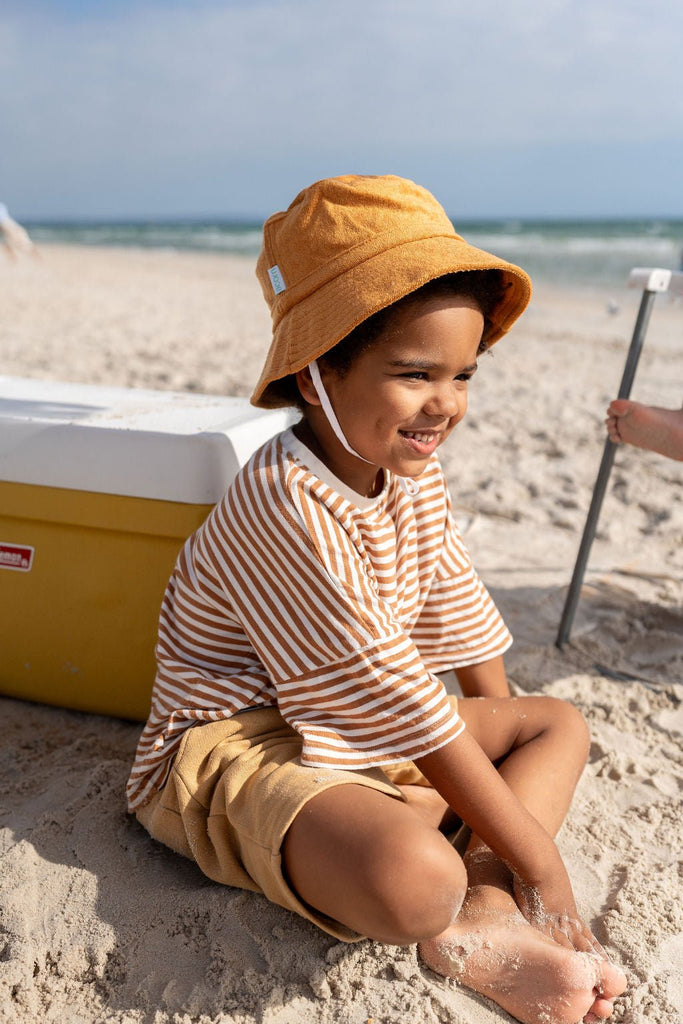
(463, 775)
(487, 679)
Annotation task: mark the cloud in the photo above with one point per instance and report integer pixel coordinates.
(159, 100)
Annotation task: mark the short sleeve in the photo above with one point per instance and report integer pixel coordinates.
(459, 623)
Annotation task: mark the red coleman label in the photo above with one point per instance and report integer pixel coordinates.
(16, 556)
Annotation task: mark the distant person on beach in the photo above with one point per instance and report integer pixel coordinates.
(646, 426)
(301, 743)
(15, 237)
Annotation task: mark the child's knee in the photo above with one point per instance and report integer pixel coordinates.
(569, 720)
(424, 893)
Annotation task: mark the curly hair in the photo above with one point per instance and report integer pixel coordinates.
(484, 287)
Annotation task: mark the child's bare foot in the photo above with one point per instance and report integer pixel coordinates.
(494, 951)
(646, 426)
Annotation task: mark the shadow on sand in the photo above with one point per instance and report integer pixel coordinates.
(138, 928)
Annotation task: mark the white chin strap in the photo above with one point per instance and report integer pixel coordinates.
(329, 411)
(408, 486)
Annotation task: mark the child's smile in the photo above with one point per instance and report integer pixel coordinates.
(423, 443)
(404, 394)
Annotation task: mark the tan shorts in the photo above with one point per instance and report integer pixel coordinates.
(234, 790)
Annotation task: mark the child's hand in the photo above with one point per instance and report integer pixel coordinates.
(575, 933)
(563, 925)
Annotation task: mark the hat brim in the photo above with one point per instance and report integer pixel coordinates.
(344, 302)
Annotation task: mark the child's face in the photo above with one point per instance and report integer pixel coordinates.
(405, 393)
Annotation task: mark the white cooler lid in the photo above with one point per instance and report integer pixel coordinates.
(166, 445)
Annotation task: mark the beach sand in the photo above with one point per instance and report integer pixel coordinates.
(97, 923)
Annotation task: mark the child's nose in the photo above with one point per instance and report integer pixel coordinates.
(447, 401)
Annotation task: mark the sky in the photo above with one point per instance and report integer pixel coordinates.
(121, 109)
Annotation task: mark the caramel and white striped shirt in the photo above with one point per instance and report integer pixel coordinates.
(299, 593)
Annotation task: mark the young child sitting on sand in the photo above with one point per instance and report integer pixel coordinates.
(301, 743)
(646, 426)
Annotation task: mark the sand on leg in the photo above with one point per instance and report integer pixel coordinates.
(495, 952)
(537, 973)
(378, 866)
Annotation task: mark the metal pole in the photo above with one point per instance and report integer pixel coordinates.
(600, 486)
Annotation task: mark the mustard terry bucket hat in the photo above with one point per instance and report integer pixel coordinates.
(347, 247)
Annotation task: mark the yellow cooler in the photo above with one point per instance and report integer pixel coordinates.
(99, 488)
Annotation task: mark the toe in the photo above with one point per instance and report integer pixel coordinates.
(599, 1011)
(612, 981)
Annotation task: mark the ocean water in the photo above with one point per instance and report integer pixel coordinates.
(597, 253)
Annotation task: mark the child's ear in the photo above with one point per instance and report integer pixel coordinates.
(305, 386)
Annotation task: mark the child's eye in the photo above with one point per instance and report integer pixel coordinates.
(423, 375)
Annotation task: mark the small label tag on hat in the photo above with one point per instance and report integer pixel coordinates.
(276, 279)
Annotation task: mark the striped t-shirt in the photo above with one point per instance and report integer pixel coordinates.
(338, 609)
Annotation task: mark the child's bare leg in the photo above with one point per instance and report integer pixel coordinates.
(491, 948)
(375, 864)
(646, 426)
(540, 745)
